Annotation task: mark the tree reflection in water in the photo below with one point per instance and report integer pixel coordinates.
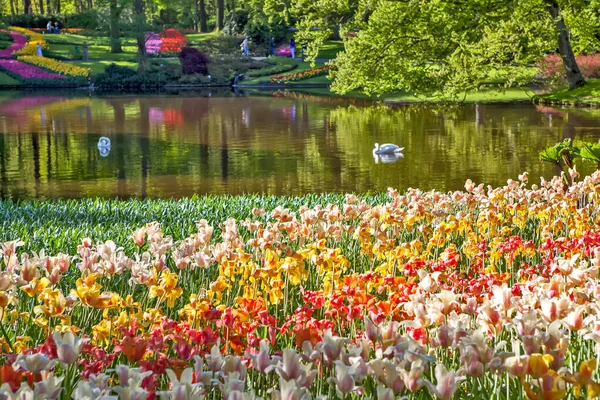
(165, 146)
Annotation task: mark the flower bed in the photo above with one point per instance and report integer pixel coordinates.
(25, 71)
(297, 76)
(153, 42)
(56, 66)
(465, 294)
(19, 42)
(30, 48)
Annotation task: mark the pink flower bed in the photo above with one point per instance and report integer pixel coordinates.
(18, 43)
(27, 71)
(152, 42)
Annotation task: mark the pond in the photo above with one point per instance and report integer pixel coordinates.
(274, 143)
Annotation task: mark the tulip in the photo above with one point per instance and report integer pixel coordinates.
(68, 346)
(446, 384)
(36, 362)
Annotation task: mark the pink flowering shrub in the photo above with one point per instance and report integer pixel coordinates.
(18, 43)
(284, 51)
(153, 42)
(552, 65)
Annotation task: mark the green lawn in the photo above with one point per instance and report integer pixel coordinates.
(7, 80)
(487, 95)
(588, 94)
(330, 49)
(98, 67)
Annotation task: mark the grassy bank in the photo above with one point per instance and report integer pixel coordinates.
(60, 225)
(586, 95)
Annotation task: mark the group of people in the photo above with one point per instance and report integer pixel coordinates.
(53, 28)
(246, 49)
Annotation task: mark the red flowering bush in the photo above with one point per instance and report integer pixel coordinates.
(172, 41)
(552, 65)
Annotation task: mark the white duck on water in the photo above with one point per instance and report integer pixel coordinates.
(387, 148)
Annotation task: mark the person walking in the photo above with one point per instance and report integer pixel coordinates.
(272, 46)
(245, 49)
(293, 47)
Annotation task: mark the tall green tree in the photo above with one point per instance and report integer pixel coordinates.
(447, 46)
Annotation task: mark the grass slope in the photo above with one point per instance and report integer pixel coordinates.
(7, 80)
(588, 94)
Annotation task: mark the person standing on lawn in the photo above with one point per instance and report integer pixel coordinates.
(293, 47)
(272, 46)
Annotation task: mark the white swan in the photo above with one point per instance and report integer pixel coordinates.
(387, 158)
(387, 148)
(103, 142)
(104, 146)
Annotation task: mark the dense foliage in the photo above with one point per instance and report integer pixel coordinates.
(193, 61)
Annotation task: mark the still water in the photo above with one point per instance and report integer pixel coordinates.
(276, 143)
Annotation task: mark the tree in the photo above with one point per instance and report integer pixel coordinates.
(140, 24)
(115, 39)
(220, 14)
(201, 10)
(443, 47)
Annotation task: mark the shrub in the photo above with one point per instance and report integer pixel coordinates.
(116, 77)
(32, 21)
(272, 70)
(88, 19)
(193, 61)
(551, 66)
(235, 22)
(172, 41)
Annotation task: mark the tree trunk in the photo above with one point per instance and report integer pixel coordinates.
(13, 10)
(141, 37)
(48, 7)
(115, 36)
(57, 8)
(202, 16)
(26, 7)
(41, 3)
(574, 76)
(220, 14)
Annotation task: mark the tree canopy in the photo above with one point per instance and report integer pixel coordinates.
(448, 46)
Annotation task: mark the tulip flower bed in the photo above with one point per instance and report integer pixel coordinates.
(18, 43)
(484, 293)
(297, 76)
(56, 66)
(30, 48)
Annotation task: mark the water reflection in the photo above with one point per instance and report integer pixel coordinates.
(163, 146)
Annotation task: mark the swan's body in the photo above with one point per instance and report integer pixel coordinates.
(387, 158)
(387, 148)
(103, 142)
